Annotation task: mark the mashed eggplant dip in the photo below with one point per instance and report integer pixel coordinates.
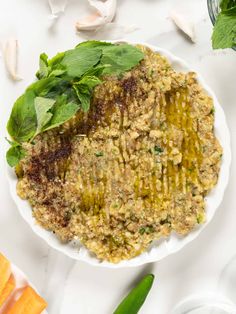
(133, 168)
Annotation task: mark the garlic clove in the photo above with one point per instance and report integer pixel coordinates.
(105, 13)
(11, 58)
(184, 24)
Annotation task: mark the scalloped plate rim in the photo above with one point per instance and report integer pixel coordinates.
(173, 243)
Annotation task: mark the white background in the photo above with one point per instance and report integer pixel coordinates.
(71, 287)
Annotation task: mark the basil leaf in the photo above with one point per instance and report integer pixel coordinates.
(79, 60)
(22, 124)
(121, 58)
(14, 155)
(42, 107)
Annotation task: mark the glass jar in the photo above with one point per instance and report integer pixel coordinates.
(213, 9)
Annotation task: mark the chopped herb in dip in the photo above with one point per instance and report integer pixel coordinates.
(99, 154)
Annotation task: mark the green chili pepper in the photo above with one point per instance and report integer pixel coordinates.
(135, 299)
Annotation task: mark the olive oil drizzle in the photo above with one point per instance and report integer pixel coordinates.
(176, 110)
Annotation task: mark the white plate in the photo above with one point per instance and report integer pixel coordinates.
(162, 248)
(21, 282)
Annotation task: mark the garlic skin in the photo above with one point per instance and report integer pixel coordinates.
(10, 52)
(184, 24)
(105, 13)
(57, 7)
(110, 31)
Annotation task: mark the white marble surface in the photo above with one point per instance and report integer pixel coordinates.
(71, 287)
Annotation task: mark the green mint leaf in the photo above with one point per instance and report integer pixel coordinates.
(227, 4)
(43, 66)
(97, 71)
(57, 72)
(57, 59)
(94, 44)
(121, 58)
(84, 89)
(89, 82)
(15, 154)
(11, 142)
(61, 87)
(81, 59)
(42, 107)
(22, 124)
(224, 34)
(116, 58)
(56, 67)
(84, 97)
(62, 111)
(43, 86)
(58, 95)
(49, 68)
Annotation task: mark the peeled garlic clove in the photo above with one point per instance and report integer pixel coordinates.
(57, 6)
(10, 58)
(184, 24)
(105, 12)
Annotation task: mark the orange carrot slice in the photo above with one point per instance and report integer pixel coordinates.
(5, 272)
(28, 303)
(9, 287)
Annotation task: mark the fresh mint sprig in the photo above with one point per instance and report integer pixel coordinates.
(65, 85)
(224, 33)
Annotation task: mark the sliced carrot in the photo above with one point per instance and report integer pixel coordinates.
(9, 287)
(28, 303)
(5, 272)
